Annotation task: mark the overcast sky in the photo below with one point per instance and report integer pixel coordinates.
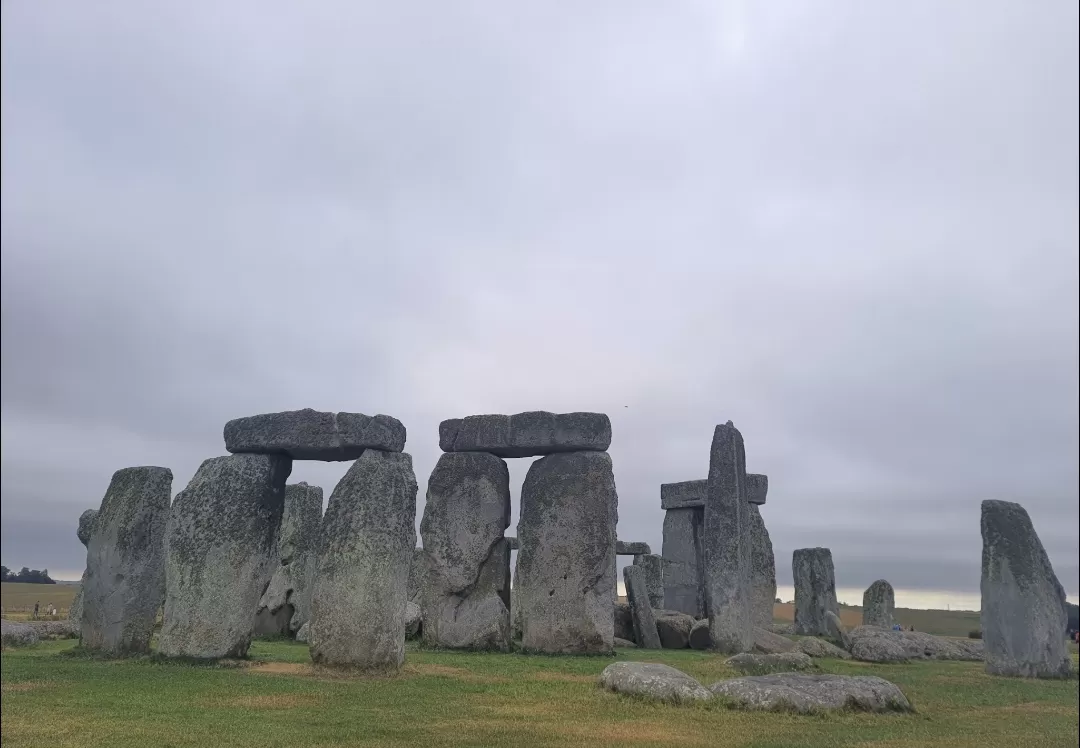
(851, 228)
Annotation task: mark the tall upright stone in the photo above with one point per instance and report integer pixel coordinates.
(1023, 604)
(815, 590)
(762, 570)
(287, 601)
(566, 561)
(365, 549)
(220, 547)
(727, 544)
(637, 594)
(878, 605)
(125, 573)
(684, 565)
(86, 527)
(465, 601)
(652, 567)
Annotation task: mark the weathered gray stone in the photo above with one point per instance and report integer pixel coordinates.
(1023, 604)
(86, 527)
(653, 567)
(313, 435)
(816, 647)
(757, 488)
(55, 629)
(767, 642)
(875, 644)
(637, 594)
(674, 630)
(654, 681)
(625, 643)
(125, 565)
(365, 548)
(762, 569)
(17, 634)
(566, 572)
(286, 604)
(727, 544)
(878, 605)
(512, 542)
(810, 692)
(684, 568)
(763, 664)
(416, 575)
(220, 545)
(631, 548)
(837, 630)
(624, 621)
(302, 634)
(466, 597)
(530, 434)
(784, 629)
(687, 494)
(815, 590)
(515, 604)
(700, 638)
(413, 617)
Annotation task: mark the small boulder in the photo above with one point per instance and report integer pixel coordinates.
(807, 693)
(873, 644)
(654, 681)
(762, 664)
(625, 643)
(674, 630)
(815, 647)
(16, 634)
(700, 638)
(412, 620)
(302, 634)
(624, 621)
(767, 642)
(784, 629)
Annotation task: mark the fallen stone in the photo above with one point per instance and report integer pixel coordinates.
(757, 488)
(767, 642)
(466, 597)
(837, 630)
(361, 583)
(286, 604)
(807, 693)
(763, 664)
(624, 643)
(220, 545)
(55, 629)
(784, 629)
(653, 681)
(624, 621)
(413, 618)
(674, 630)
(762, 570)
(727, 544)
(16, 634)
(313, 435)
(687, 494)
(302, 634)
(86, 526)
(645, 625)
(815, 590)
(878, 605)
(874, 644)
(684, 567)
(566, 565)
(531, 434)
(653, 567)
(816, 647)
(631, 548)
(125, 564)
(700, 638)
(1023, 604)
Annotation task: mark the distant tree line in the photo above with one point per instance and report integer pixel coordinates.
(26, 576)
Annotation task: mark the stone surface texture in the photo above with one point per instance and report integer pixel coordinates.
(757, 488)
(653, 681)
(653, 566)
(879, 605)
(687, 494)
(566, 564)
(413, 618)
(624, 621)
(314, 435)
(816, 647)
(366, 545)
(875, 644)
(815, 590)
(749, 663)
(86, 526)
(700, 638)
(767, 642)
(125, 564)
(1023, 604)
(466, 594)
(302, 634)
(627, 643)
(287, 600)
(17, 634)
(762, 569)
(684, 567)
(808, 693)
(220, 546)
(531, 434)
(641, 613)
(674, 629)
(837, 630)
(727, 544)
(631, 548)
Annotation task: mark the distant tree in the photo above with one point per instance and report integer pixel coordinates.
(29, 576)
(779, 600)
(5, 573)
(1073, 623)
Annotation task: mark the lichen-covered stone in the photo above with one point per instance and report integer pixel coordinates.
(878, 605)
(653, 567)
(365, 548)
(700, 638)
(313, 435)
(624, 621)
(727, 544)
(762, 664)
(757, 488)
(125, 566)
(625, 643)
(767, 642)
(837, 630)
(674, 630)
(1023, 603)
(875, 644)
(815, 590)
(86, 526)
(631, 548)
(302, 634)
(566, 565)
(287, 601)
(530, 434)
(17, 634)
(641, 613)
(810, 692)
(687, 494)
(816, 647)
(413, 618)
(653, 681)
(466, 594)
(220, 546)
(684, 568)
(762, 569)
(416, 575)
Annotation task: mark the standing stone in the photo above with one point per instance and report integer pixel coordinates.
(86, 527)
(529, 434)
(684, 567)
(125, 572)
(220, 544)
(311, 435)
(515, 601)
(762, 570)
(1023, 603)
(637, 594)
(815, 590)
(878, 605)
(569, 508)
(416, 575)
(653, 568)
(727, 544)
(466, 595)
(287, 601)
(365, 548)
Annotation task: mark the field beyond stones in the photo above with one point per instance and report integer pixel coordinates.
(55, 696)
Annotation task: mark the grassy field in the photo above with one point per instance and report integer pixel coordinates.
(17, 599)
(52, 697)
(940, 622)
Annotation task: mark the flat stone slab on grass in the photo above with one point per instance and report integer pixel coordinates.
(761, 664)
(816, 647)
(874, 644)
(17, 634)
(652, 680)
(808, 693)
(314, 435)
(767, 642)
(532, 434)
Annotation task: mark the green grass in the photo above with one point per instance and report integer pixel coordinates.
(17, 599)
(52, 697)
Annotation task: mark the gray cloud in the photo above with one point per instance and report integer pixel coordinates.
(852, 230)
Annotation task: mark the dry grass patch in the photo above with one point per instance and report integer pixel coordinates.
(448, 671)
(282, 668)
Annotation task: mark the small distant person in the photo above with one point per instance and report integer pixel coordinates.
(36, 606)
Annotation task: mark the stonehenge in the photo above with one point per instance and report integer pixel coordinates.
(310, 435)
(645, 632)
(86, 526)
(652, 566)
(815, 590)
(532, 434)
(1023, 603)
(878, 605)
(125, 574)
(286, 604)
